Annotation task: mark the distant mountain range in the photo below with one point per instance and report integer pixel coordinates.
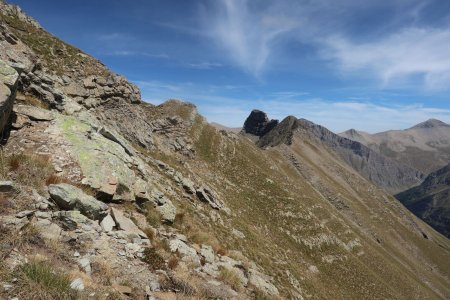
(391, 175)
(425, 146)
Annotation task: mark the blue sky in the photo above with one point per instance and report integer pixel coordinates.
(371, 65)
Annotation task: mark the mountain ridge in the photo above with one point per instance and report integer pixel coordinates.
(103, 194)
(367, 162)
(424, 146)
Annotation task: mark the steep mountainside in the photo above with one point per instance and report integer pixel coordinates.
(104, 196)
(425, 147)
(431, 200)
(384, 172)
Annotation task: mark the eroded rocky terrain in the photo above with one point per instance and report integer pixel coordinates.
(104, 196)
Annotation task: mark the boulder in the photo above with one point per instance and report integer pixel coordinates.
(141, 193)
(188, 253)
(6, 186)
(126, 224)
(164, 206)
(262, 282)
(69, 197)
(71, 219)
(168, 212)
(188, 185)
(34, 113)
(206, 195)
(77, 284)
(218, 290)
(207, 253)
(107, 223)
(104, 163)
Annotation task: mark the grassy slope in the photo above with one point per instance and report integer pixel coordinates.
(290, 225)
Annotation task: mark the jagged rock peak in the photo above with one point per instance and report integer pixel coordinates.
(257, 123)
(351, 131)
(431, 123)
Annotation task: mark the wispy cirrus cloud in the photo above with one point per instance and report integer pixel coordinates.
(410, 52)
(394, 49)
(247, 36)
(204, 65)
(137, 53)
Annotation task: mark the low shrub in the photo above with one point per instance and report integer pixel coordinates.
(153, 259)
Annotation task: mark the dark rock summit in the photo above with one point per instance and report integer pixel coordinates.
(258, 123)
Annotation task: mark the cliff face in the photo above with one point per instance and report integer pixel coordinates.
(430, 200)
(103, 194)
(8, 86)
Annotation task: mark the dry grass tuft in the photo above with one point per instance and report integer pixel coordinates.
(5, 203)
(173, 262)
(39, 280)
(220, 250)
(102, 272)
(31, 100)
(230, 277)
(30, 169)
(56, 179)
(152, 215)
(177, 285)
(150, 233)
(179, 218)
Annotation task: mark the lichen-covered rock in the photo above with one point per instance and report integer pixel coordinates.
(8, 76)
(104, 163)
(68, 197)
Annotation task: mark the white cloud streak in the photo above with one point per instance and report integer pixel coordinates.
(249, 32)
(247, 36)
(410, 52)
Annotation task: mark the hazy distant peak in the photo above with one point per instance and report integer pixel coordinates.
(350, 132)
(431, 123)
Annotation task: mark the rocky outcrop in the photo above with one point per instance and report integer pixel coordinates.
(257, 123)
(8, 86)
